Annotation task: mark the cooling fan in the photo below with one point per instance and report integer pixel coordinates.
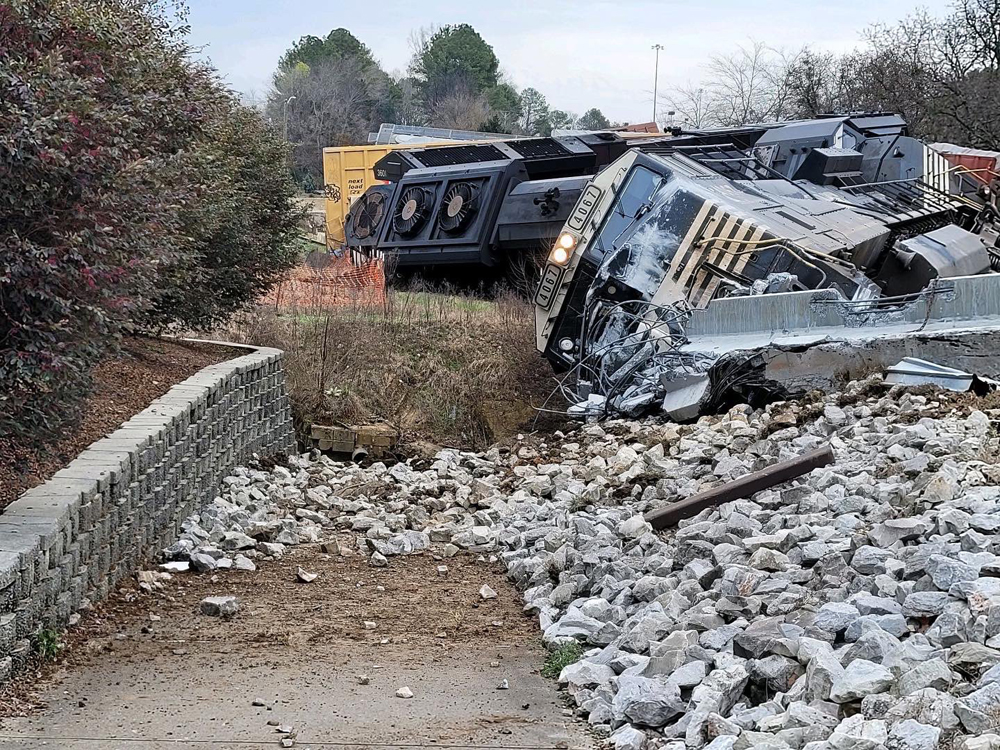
(367, 214)
(411, 211)
(460, 204)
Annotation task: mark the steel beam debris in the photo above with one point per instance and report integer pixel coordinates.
(913, 371)
(744, 487)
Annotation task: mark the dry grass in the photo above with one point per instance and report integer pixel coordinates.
(451, 369)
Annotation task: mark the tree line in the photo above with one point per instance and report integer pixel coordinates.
(331, 91)
(940, 73)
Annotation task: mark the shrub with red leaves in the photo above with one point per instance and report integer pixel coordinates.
(115, 150)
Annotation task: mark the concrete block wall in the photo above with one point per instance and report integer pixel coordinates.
(76, 536)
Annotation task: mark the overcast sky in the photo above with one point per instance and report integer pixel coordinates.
(578, 53)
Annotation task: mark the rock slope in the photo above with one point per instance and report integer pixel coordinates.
(856, 607)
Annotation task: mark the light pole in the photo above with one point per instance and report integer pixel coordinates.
(288, 101)
(656, 76)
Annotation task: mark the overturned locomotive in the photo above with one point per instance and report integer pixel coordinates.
(764, 261)
(474, 209)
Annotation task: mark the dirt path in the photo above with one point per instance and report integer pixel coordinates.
(187, 680)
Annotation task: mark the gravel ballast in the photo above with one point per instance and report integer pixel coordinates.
(858, 606)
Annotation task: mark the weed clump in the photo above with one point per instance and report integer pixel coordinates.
(49, 645)
(560, 658)
(448, 368)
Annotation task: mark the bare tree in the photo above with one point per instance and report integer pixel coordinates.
(692, 105)
(254, 99)
(816, 82)
(743, 84)
(778, 74)
(980, 20)
(960, 57)
(418, 40)
(331, 104)
(941, 74)
(460, 109)
(750, 84)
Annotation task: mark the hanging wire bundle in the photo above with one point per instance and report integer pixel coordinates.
(624, 345)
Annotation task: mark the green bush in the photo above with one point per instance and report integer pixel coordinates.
(132, 188)
(242, 228)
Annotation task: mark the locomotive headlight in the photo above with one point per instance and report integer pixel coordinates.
(563, 249)
(566, 241)
(559, 255)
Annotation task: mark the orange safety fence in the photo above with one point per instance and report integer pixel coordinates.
(330, 282)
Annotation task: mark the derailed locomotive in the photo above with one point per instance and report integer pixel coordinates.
(763, 261)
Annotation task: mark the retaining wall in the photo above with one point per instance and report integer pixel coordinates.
(76, 536)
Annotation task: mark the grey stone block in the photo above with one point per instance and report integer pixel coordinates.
(88, 473)
(76, 536)
(8, 633)
(19, 654)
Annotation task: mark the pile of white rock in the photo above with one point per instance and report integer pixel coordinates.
(254, 517)
(857, 607)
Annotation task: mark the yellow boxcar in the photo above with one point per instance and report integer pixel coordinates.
(347, 173)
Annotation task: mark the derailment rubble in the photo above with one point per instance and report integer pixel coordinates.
(750, 264)
(740, 488)
(857, 606)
